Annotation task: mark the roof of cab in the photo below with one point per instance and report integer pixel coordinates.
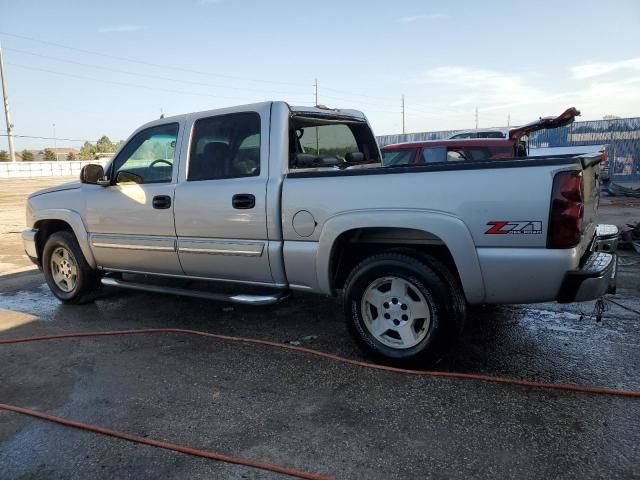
(321, 110)
(318, 110)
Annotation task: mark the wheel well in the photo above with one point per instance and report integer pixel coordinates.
(45, 229)
(353, 246)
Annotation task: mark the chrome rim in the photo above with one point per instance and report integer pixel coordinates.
(64, 269)
(395, 312)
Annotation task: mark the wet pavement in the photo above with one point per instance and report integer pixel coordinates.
(313, 414)
(309, 413)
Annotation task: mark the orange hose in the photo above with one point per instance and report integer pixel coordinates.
(255, 341)
(166, 445)
(330, 356)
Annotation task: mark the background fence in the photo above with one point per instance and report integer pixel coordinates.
(43, 169)
(621, 134)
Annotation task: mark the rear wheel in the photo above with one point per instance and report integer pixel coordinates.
(402, 308)
(66, 271)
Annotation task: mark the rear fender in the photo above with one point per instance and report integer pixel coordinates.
(450, 229)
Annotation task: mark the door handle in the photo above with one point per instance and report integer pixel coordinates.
(161, 202)
(243, 201)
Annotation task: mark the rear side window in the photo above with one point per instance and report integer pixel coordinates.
(442, 155)
(434, 155)
(225, 146)
(397, 157)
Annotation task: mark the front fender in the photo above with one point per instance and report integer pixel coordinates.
(448, 228)
(77, 225)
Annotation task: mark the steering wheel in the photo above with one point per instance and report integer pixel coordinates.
(161, 160)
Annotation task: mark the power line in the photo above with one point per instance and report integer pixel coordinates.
(43, 138)
(128, 72)
(142, 62)
(124, 84)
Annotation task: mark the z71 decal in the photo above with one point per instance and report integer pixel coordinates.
(526, 227)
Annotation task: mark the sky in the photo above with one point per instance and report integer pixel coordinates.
(129, 61)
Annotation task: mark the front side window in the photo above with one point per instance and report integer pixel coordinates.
(397, 157)
(148, 157)
(225, 146)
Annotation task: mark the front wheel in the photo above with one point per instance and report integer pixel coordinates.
(69, 276)
(400, 308)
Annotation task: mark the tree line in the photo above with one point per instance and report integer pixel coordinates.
(88, 151)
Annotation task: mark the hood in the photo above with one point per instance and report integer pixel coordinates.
(565, 118)
(72, 185)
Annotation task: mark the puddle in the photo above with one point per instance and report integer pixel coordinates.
(39, 301)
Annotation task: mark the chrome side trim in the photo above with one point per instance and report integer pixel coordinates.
(218, 247)
(234, 298)
(134, 242)
(194, 277)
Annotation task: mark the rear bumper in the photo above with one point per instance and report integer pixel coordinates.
(29, 242)
(606, 238)
(597, 274)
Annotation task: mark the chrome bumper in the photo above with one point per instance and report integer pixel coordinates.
(597, 274)
(29, 241)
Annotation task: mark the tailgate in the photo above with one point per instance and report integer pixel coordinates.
(591, 185)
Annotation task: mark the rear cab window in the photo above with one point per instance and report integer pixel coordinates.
(323, 141)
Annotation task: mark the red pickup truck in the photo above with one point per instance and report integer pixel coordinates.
(472, 149)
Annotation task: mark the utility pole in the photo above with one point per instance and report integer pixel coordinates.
(317, 132)
(476, 119)
(7, 114)
(316, 87)
(403, 115)
(55, 142)
(508, 120)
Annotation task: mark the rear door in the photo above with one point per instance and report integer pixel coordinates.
(220, 200)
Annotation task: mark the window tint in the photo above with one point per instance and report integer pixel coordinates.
(397, 157)
(226, 146)
(464, 136)
(148, 157)
(434, 155)
(493, 135)
(328, 140)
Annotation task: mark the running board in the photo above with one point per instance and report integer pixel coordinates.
(221, 297)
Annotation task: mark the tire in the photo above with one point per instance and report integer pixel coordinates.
(404, 309)
(67, 273)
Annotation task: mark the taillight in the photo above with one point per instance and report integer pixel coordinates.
(567, 208)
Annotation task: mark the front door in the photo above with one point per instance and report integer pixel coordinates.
(130, 222)
(220, 202)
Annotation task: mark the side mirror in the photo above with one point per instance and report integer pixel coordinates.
(92, 174)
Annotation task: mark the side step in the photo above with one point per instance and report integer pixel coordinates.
(221, 297)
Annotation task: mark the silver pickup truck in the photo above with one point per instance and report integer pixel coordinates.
(280, 198)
